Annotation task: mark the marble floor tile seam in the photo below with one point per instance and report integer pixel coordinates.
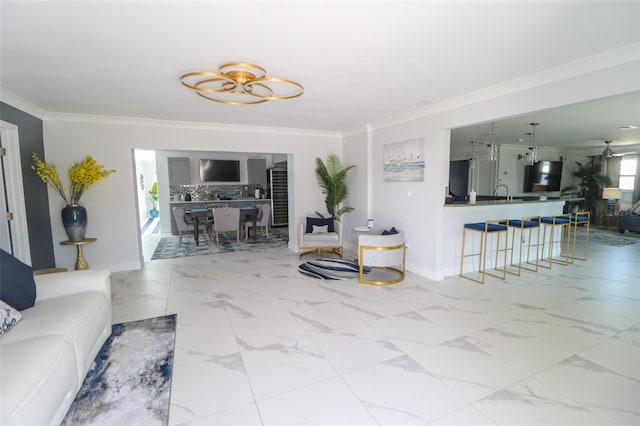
(365, 404)
(579, 397)
(598, 326)
(550, 341)
(479, 405)
(570, 312)
(452, 382)
(616, 337)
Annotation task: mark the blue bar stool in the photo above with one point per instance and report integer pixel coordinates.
(495, 227)
(582, 219)
(552, 223)
(526, 223)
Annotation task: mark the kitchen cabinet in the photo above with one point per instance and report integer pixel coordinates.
(179, 171)
(257, 171)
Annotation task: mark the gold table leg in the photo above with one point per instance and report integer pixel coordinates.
(81, 262)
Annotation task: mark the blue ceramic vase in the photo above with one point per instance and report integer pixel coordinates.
(74, 220)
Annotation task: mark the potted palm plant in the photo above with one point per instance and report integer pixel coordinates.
(591, 181)
(153, 196)
(331, 178)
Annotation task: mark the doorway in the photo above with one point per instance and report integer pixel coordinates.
(147, 195)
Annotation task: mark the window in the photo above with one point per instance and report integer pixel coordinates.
(628, 174)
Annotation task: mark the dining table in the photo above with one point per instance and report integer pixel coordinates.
(204, 217)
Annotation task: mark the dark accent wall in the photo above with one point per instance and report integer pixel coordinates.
(35, 191)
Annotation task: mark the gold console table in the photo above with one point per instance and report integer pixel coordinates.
(81, 262)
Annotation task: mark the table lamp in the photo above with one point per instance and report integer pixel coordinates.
(612, 195)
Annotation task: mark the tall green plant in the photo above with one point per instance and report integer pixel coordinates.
(589, 187)
(153, 195)
(331, 178)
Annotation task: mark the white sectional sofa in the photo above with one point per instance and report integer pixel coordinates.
(45, 356)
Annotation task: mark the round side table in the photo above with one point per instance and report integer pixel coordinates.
(81, 262)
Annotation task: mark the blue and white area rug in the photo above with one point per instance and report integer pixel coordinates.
(129, 382)
(331, 269)
(168, 247)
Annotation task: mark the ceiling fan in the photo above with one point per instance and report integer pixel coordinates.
(608, 152)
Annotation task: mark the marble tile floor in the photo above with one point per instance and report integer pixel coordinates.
(259, 344)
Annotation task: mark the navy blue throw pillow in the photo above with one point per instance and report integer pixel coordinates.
(17, 287)
(318, 221)
(391, 231)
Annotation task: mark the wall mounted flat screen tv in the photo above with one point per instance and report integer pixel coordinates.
(220, 170)
(543, 176)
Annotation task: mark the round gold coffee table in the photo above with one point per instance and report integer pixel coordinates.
(81, 262)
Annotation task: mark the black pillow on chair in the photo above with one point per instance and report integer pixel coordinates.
(17, 286)
(318, 221)
(391, 231)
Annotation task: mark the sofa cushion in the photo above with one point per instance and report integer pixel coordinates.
(39, 380)
(17, 287)
(329, 237)
(318, 221)
(9, 317)
(80, 317)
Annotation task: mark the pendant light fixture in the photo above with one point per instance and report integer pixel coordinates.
(532, 155)
(493, 147)
(473, 166)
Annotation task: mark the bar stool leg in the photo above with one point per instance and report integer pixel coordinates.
(551, 223)
(486, 228)
(581, 219)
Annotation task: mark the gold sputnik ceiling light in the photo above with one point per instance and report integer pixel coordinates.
(240, 83)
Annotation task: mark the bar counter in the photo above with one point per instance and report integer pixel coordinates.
(514, 200)
(456, 216)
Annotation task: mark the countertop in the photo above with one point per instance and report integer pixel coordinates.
(516, 200)
(235, 200)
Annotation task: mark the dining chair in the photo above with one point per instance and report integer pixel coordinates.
(263, 220)
(183, 226)
(226, 219)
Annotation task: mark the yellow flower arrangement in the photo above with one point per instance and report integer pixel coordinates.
(82, 175)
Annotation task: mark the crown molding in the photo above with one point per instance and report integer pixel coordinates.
(355, 130)
(136, 121)
(612, 58)
(21, 104)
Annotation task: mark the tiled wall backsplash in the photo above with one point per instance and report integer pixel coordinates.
(216, 192)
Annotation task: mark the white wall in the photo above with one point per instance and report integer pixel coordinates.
(112, 205)
(356, 152)
(416, 207)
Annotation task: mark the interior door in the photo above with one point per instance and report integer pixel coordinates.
(5, 224)
(14, 234)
